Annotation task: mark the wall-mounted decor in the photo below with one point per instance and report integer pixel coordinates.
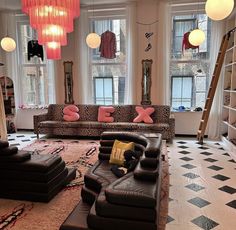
(68, 82)
(146, 81)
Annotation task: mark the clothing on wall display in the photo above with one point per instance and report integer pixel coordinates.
(108, 45)
(34, 49)
(186, 44)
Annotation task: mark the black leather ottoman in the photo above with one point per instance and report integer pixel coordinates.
(28, 176)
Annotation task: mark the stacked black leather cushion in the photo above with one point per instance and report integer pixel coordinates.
(129, 202)
(28, 176)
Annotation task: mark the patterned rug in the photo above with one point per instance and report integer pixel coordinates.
(82, 154)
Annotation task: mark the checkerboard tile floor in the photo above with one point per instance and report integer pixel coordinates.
(202, 184)
(22, 138)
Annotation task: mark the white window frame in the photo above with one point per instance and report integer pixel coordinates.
(49, 66)
(119, 13)
(187, 61)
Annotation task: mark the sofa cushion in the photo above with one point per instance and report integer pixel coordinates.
(100, 175)
(106, 209)
(117, 152)
(19, 157)
(131, 192)
(71, 113)
(6, 174)
(105, 223)
(144, 115)
(3, 144)
(37, 163)
(31, 186)
(105, 114)
(75, 124)
(7, 151)
(122, 113)
(145, 173)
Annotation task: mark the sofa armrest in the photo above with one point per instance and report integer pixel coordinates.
(37, 120)
(153, 147)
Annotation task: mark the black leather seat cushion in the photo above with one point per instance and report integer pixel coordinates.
(8, 151)
(106, 209)
(100, 175)
(88, 195)
(38, 196)
(29, 186)
(3, 144)
(6, 174)
(37, 163)
(149, 162)
(146, 174)
(129, 191)
(153, 148)
(77, 218)
(106, 223)
(19, 157)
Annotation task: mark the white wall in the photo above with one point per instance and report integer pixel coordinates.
(24, 118)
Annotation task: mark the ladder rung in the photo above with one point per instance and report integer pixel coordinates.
(212, 88)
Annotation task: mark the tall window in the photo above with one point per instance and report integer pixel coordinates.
(182, 88)
(36, 73)
(109, 75)
(189, 68)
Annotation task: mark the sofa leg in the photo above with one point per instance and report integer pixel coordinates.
(37, 135)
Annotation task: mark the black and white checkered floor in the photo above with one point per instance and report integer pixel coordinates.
(202, 187)
(202, 184)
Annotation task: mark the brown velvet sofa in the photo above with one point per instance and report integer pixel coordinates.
(52, 122)
(129, 202)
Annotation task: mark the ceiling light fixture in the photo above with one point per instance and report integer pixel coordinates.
(52, 19)
(219, 9)
(197, 36)
(7, 43)
(93, 40)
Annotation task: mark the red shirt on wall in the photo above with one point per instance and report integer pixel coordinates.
(108, 45)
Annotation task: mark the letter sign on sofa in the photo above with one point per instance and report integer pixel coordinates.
(104, 114)
(144, 114)
(71, 113)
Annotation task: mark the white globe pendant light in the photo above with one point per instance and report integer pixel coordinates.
(196, 37)
(93, 40)
(8, 44)
(219, 9)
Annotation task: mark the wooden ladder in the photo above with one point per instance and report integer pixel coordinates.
(213, 85)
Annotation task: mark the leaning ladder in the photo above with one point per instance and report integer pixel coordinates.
(213, 85)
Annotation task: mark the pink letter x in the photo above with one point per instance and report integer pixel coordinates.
(144, 114)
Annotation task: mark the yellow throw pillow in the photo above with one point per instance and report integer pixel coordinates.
(117, 152)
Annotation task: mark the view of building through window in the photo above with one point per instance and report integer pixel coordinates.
(189, 68)
(35, 82)
(109, 75)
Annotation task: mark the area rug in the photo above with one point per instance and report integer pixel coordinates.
(79, 154)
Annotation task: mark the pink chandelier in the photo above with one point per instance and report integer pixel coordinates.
(53, 19)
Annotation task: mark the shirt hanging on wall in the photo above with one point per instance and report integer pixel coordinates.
(108, 45)
(186, 44)
(34, 49)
